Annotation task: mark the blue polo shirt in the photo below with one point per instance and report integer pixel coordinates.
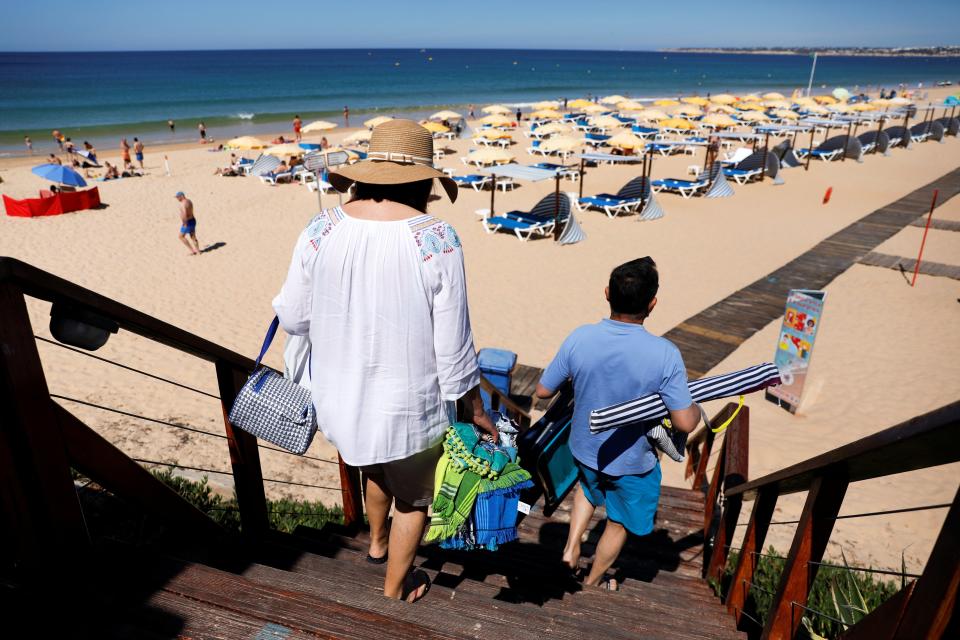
(611, 362)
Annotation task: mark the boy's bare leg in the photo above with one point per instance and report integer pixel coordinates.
(610, 545)
(579, 521)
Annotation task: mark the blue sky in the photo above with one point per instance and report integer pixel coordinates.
(107, 25)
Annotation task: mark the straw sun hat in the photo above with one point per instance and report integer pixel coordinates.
(400, 151)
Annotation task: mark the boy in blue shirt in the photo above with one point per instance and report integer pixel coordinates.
(609, 362)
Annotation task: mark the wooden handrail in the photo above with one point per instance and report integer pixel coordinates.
(40, 284)
(500, 400)
(924, 441)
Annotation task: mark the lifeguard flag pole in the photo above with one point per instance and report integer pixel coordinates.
(916, 268)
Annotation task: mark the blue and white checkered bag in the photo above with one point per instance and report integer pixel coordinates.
(274, 408)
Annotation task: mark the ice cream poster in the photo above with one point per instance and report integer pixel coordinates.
(801, 321)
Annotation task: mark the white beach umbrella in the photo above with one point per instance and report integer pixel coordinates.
(359, 137)
(561, 144)
(496, 109)
(614, 99)
(489, 155)
(605, 122)
(594, 108)
(552, 127)
(374, 122)
(446, 115)
(319, 125)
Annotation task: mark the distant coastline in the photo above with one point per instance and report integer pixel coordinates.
(866, 52)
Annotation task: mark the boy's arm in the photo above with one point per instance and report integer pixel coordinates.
(676, 393)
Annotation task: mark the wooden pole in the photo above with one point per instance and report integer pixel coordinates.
(766, 150)
(582, 173)
(813, 130)
(876, 146)
(916, 268)
(906, 125)
(556, 209)
(493, 192)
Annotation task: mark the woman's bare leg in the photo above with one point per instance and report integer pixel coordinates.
(377, 499)
(405, 534)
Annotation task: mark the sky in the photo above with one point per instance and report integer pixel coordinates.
(133, 25)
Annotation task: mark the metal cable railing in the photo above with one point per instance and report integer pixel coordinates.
(889, 572)
(180, 426)
(230, 473)
(127, 367)
(866, 514)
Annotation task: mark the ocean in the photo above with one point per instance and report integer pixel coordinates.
(102, 96)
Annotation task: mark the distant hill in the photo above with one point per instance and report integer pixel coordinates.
(941, 51)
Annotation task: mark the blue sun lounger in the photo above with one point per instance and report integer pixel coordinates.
(627, 199)
(538, 221)
(472, 180)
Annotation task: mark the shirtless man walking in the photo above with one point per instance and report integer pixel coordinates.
(188, 224)
(297, 124)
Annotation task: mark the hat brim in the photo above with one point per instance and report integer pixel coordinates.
(386, 172)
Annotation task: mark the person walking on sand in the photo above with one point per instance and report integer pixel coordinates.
(203, 132)
(172, 125)
(470, 111)
(138, 151)
(188, 224)
(29, 144)
(609, 362)
(58, 138)
(346, 116)
(125, 151)
(297, 123)
(388, 362)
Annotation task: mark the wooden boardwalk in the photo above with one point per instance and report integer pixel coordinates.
(939, 225)
(710, 336)
(907, 265)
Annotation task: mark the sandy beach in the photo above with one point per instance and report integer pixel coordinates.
(886, 351)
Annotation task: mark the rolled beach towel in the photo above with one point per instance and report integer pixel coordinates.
(651, 407)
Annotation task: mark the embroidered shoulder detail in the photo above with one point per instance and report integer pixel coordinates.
(321, 226)
(434, 237)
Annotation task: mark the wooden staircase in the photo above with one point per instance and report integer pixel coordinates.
(318, 584)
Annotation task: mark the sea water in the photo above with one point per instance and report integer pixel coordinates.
(102, 96)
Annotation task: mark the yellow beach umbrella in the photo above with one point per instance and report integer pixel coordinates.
(319, 125)
(720, 120)
(816, 108)
(490, 155)
(750, 97)
(551, 128)
(805, 101)
(631, 105)
(626, 140)
(605, 122)
(373, 122)
(777, 103)
(614, 99)
(688, 110)
(579, 103)
(546, 104)
(722, 108)
(434, 127)
(863, 106)
(446, 115)
(496, 109)
(786, 114)
(753, 116)
(750, 106)
(880, 102)
(773, 95)
(546, 114)
(652, 115)
(723, 98)
(245, 142)
(561, 144)
(359, 137)
(825, 99)
(286, 149)
(595, 108)
(493, 134)
(666, 102)
(676, 123)
(697, 100)
(496, 120)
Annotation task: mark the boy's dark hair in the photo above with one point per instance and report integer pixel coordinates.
(413, 194)
(633, 285)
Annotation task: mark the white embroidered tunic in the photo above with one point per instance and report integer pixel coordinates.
(385, 306)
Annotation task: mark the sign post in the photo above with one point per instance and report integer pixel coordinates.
(801, 320)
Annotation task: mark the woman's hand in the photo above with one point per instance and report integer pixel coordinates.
(484, 423)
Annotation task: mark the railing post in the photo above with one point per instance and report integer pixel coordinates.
(934, 599)
(736, 455)
(753, 538)
(244, 457)
(701, 474)
(38, 497)
(810, 541)
(352, 496)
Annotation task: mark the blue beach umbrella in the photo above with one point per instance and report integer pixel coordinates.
(59, 173)
(952, 101)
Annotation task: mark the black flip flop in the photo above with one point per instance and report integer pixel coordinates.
(379, 560)
(414, 580)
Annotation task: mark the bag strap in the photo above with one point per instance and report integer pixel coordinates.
(267, 340)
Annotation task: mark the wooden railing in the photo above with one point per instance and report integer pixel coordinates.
(40, 441)
(922, 610)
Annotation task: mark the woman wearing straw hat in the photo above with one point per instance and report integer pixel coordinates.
(379, 287)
